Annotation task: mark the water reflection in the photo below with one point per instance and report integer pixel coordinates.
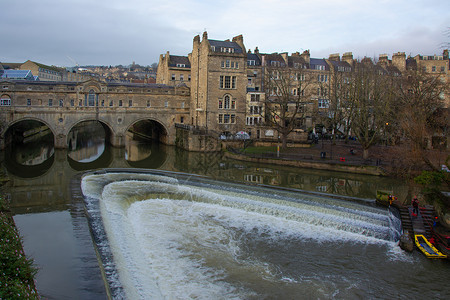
(86, 141)
(136, 148)
(88, 154)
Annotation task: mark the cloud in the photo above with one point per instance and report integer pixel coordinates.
(119, 32)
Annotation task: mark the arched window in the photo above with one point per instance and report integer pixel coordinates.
(5, 100)
(91, 98)
(227, 102)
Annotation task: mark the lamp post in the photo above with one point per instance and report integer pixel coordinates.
(385, 133)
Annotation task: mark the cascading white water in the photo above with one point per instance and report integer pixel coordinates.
(172, 238)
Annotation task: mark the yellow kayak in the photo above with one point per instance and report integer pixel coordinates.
(427, 248)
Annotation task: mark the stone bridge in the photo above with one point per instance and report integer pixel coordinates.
(62, 105)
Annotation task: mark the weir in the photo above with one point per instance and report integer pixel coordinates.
(172, 233)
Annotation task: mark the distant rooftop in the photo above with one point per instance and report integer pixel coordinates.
(17, 75)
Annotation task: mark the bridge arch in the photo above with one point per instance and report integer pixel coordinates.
(160, 130)
(11, 124)
(71, 136)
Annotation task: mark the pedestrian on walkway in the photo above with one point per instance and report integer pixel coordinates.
(415, 204)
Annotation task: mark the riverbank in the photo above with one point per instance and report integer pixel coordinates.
(16, 270)
(395, 161)
(284, 160)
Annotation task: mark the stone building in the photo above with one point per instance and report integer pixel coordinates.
(218, 84)
(173, 70)
(44, 72)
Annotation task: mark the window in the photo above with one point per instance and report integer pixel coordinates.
(275, 92)
(322, 78)
(227, 102)
(182, 104)
(227, 118)
(275, 74)
(173, 77)
(181, 65)
(111, 103)
(50, 102)
(227, 82)
(120, 103)
(253, 120)
(181, 120)
(61, 102)
(323, 103)
(130, 103)
(91, 98)
(322, 91)
(148, 103)
(251, 62)
(28, 102)
(255, 97)
(189, 78)
(433, 69)
(181, 77)
(226, 49)
(166, 103)
(300, 77)
(229, 64)
(442, 69)
(72, 102)
(274, 63)
(103, 103)
(5, 100)
(249, 81)
(254, 110)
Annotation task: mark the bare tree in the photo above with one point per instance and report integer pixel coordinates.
(338, 113)
(288, 95)
(421, 112)
(369, 96)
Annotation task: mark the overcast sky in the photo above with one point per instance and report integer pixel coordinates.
(112, 32)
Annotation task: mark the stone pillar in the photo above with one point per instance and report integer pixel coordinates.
(117, 140)
(60, 141)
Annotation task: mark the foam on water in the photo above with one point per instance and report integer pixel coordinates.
(183, 241)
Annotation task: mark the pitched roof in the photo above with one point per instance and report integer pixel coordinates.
(225, 44)
(341, 65)
(175, 60)
(318, 62)
(252, 56)
(297, 62)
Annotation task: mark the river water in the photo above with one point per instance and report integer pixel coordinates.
(169, 224)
